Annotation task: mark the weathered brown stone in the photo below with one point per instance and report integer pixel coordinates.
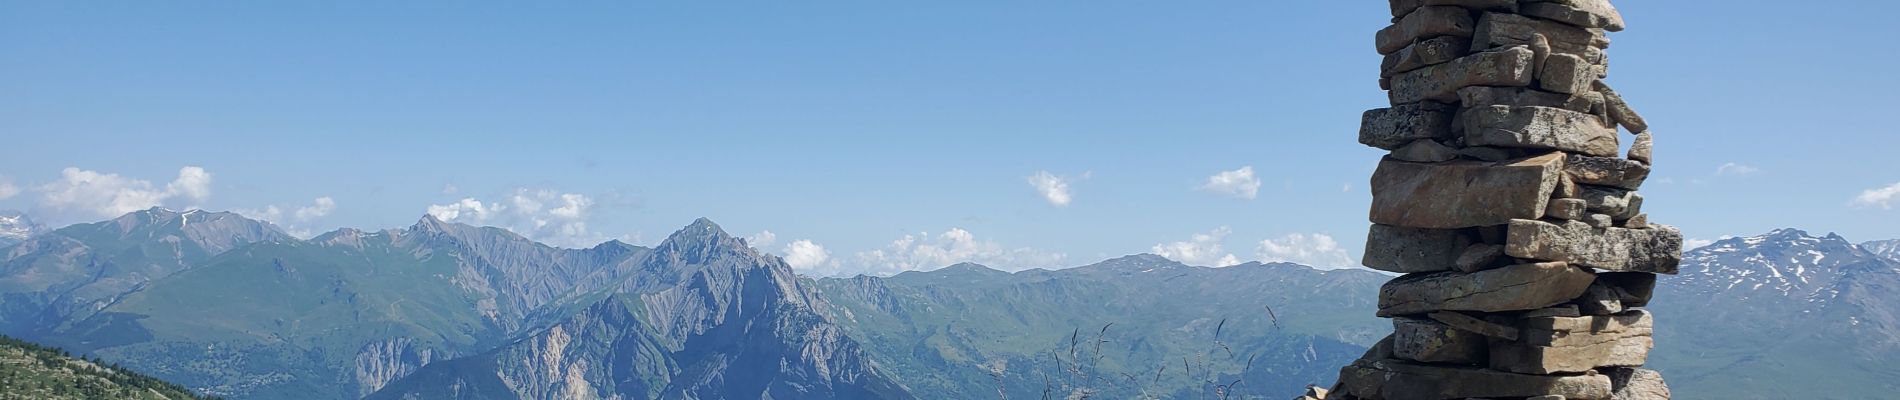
(1632, 288)
(1507, 67)
(1496, 30)
(1513, 288)
(1620, 110)
(1606, 171)
(1599, 221)
(1539, 128)
(1433, 342)
(1425, 151)
(1400, 380)
(1426, 22)
(1479, 96)
(1479, 257)
(1600, 299)
(1467, 323)
(1407, 250)
(1434, 51)
(1583, 13)
(1565, 73)
(1390, 128)
(1640, 221)
(1637, 384)
(1566, 209)
(1567, 345)
(1402, 7)
(1461, 194)
(1565, 310)
(1657, 250)
(1486, 153)
(1640, 150)
(1608, 200)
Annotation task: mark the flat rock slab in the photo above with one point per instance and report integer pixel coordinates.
(1513, 288)
(1434, 51)
(1540, 128)
(1656, 250)
(1508, 67)
(1407, 250)
(1430, 341)
(1606, 171)
(1426, 22)
(1551, 345)
(1391, 128)
(1400, 380)
(1480, 96)
(1497, 30)
(1402, 7)
(1583, 13)
(1462, 194)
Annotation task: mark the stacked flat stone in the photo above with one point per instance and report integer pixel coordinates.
(1526, 255)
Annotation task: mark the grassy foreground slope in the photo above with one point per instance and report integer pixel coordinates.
(30, 371)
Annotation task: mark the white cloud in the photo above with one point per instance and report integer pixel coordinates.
(1883, 196)
(762, 239)
(7, 190)
(296, 225)
(803, 254)
(318, 208)
(556, 218)
(1318, 250)
(468, 210)
(1692, 243)
(98, 194)
(1238, 183)
(1735, 169)
(1053, 188)
(924, 251)
(1204, 249)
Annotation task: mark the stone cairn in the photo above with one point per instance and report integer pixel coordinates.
(1526, 255)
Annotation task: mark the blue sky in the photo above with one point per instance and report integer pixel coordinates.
(851, 125)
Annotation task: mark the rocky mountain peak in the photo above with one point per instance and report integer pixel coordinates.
(701, 241)
(15, 226)
(1784, 263)
(1889, 249)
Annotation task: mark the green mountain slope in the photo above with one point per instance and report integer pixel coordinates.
(30, 371)
(337, 316)
(1172, 331)
(65, 275)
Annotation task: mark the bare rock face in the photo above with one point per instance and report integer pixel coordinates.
(1552, 345)
(1399, 380)
(1540, 128)
(1507, 67)
(1654, 250)
(1513, 288)
(1462, 194)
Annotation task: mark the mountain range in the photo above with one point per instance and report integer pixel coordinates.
(234, 307)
